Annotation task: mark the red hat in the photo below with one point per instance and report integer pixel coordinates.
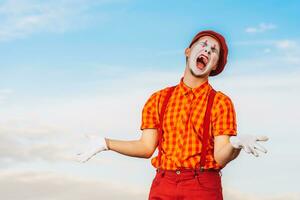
(223, 49)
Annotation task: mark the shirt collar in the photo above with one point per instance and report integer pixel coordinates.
(198, 91)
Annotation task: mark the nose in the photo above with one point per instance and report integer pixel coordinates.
(207, 51)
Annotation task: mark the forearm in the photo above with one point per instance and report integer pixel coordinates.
(226, 154)
(134, 148)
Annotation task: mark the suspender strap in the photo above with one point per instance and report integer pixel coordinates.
(161, 117)
(206, 128)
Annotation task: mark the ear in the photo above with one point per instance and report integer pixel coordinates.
(187, 52)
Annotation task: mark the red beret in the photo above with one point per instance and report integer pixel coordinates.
(223, 49)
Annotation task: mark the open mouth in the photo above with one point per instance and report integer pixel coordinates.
(202, 61)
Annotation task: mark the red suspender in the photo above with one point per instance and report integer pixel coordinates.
(206, 128)
(206, 125)
(161, 117)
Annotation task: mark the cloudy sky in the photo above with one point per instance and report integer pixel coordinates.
(70, 67)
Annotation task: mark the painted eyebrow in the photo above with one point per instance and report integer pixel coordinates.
(201, 42)
(215, 49)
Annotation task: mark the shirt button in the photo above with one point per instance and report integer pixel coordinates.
(177, 172)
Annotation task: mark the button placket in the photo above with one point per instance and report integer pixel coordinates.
(191, 97)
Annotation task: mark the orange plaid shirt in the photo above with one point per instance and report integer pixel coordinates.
(183, 124)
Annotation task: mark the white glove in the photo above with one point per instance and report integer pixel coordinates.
(248, 143)
(96, 145)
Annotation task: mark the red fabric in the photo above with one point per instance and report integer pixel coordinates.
(183, 125)
(161, 117)
(223, 49)
(186, 186)
(206, 127)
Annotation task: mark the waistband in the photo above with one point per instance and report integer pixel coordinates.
(187, 171)
(184, 170)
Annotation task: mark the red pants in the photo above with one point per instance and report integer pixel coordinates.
(186, 185)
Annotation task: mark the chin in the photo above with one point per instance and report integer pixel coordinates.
(199, 74)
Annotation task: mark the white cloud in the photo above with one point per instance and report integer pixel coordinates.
(279, 43)
(4, 94)
(33, 185)
(283, 51)
(24, 18)
(290, 49)
(253, 42)
(233, 194)
(49, 129)
(286, 44)
(262, 27)
(6, 91)
(22, 142)
(20, 19)
(48, 185)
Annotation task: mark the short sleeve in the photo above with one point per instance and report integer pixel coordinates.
(150, 117)
(223, 116)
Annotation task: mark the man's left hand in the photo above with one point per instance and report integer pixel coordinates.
(249, 143)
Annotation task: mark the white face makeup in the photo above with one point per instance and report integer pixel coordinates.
(204, 56)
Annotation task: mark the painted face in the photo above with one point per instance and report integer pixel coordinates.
(204, 56)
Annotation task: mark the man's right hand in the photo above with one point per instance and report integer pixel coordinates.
(95, 145)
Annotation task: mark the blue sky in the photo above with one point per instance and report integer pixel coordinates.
(72, 67)
(133, 35)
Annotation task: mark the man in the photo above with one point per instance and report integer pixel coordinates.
(193, 126)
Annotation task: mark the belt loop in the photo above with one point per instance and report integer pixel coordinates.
(160, 171)
(201, 168)
(195, 173)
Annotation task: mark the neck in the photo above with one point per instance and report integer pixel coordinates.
(192, 81)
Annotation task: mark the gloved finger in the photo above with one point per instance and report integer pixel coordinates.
(83, 159)
(262, 138)
(79, 156)
(246, 149)
(260, 148)
(79, 159)
(253, 151)
(87, 156)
